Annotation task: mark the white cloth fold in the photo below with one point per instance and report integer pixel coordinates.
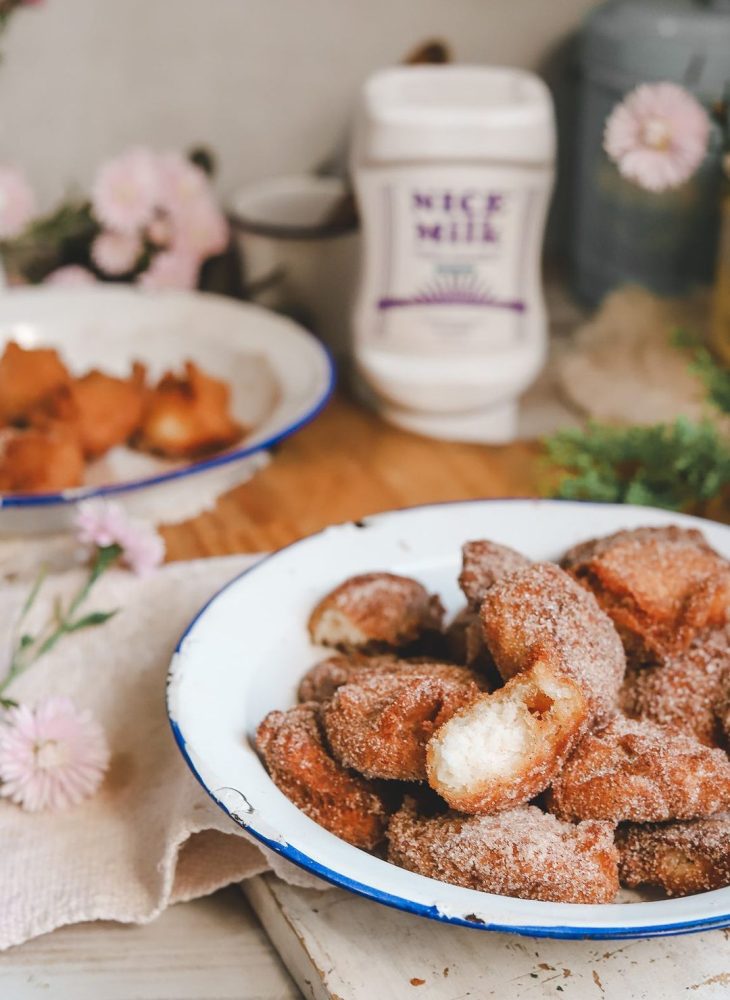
(151, 836)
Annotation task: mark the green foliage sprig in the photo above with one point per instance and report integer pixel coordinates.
(714, 377)
(682, 466)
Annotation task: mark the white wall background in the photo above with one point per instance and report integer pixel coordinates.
(267, 83)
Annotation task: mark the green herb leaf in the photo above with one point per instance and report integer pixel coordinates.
(88, 621)
(680, 466)
(715, 377)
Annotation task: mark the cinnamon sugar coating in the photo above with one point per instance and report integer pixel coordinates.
(376, 611)
(630, 770)
(684, 691)
(681, 858)
(300, 765)
(483, 563)
(540, 613)
(380, 722)
(660, 586)
(523, 852)
(322, 680)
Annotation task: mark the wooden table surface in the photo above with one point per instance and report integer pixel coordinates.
(346, 464)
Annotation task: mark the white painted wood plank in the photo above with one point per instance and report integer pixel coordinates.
(209, 949)
(341, 947)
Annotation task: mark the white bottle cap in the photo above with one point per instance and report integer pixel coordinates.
(456, 113)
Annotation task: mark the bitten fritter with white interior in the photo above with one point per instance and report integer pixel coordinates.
(299, 763)
(680, 858)
(504, 748)
(188, 416)
(376, 611)
(523, 852)
(540, 614)
(685, 691)
(660, 586)
(482, 564)
(637, 771)
(380, 722)
(27, 377)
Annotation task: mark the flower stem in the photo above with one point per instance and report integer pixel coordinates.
(29, 649)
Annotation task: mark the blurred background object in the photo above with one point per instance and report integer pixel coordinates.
(453, 169)
(298, 256)
(620, 232)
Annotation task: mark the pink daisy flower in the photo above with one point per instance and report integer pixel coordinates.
(70, 276)
(51, 757)
(126, 191)
(160, 231)
(182, 182)
(101, 523)
(17, 203)
(171, 269)
(116, 253)
(657, 136)
(202, 228)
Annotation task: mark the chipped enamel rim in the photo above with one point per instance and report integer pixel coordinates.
(235, 661)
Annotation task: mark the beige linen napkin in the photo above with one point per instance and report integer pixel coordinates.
(151, 836)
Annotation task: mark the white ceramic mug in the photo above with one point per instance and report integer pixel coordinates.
(297, 256)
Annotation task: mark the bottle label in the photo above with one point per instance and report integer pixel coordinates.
(456, 256)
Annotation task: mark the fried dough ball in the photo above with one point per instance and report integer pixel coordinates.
(637, 771)
(483, 563)
(380, 722)
(683, 692)
(40, 461)
(523, 852)
(187, 416)
(681, 858)
(375, 611)
(504, 748)
(660, 586)
(300, 765)
(26, 377)
(322, 680)
(540, 613)
(102, 410)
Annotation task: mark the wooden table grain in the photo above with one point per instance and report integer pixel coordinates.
(345, 465)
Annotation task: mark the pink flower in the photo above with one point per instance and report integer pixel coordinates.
(17, 203)
(126, 191)
(101, 523)
(171, 269)
(202, 228)
(182, 182)
(51, 757)
(70, 276)
(160, 231)
(657, 136)
(116, 253)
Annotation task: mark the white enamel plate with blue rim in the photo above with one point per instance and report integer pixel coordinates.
(279, 375)
(246, 651)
